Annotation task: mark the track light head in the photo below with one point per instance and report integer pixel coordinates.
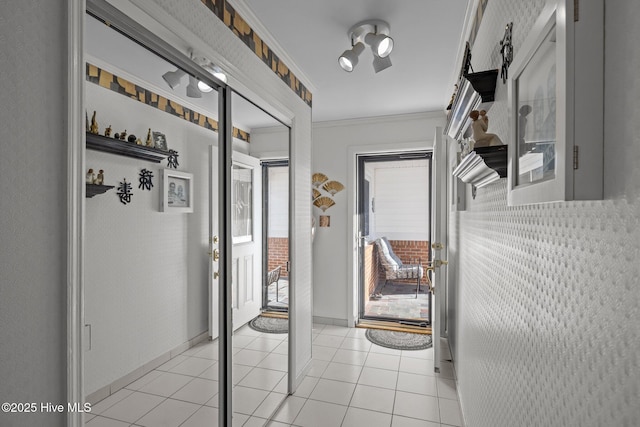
(380, 64)
(349, 58)
(381, 44)
(173, 78)
(192, 89)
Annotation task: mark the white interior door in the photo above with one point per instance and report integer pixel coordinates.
(246, 215)
(213, 243)
(439, 237)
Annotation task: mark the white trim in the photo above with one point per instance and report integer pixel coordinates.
(352, 208)
(382, 119)
(258, 27)
(75, 211)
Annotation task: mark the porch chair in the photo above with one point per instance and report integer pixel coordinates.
(273, 277)
(394, 269)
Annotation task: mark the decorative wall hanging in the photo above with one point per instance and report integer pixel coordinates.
(324, 203)
(333, 187)
(315, 194)
(177, 192)
(172, 159)
(146, 177)
(318, 178)
(124, 191)
(506, 50)
(325, 221)
(160, 141)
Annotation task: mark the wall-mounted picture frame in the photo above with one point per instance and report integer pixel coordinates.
(160, 141)
(176, 192)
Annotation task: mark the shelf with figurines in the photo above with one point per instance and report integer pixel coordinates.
(95, 184)
(484, 159)
(154, 149)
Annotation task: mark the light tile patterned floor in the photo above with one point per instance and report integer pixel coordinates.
(351, 383)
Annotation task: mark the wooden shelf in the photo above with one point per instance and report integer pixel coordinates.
(483, 166)
(124, 148)
(93, 189)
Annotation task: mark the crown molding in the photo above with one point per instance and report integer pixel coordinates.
(254, 22)
(383, 119)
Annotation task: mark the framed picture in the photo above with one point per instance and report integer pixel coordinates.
(160, 141)
(177, 191)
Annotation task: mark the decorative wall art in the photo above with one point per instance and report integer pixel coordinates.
(318, 179)
(315, 194)
(160, 141)
(333, 187)
(146, 177)
(325, 221)
(506, 50)
(172, 159)
(124, 191)
(324, 203)
(177, 192)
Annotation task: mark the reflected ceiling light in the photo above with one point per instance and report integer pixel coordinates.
(173, 78)
(349, 59)
(192, 90)
(205, 88)
(374, 33)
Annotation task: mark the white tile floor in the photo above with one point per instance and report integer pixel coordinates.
(351, 383)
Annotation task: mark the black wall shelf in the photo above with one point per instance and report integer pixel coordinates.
(93, 189)
(124, 148)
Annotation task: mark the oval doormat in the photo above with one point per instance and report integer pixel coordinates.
(398, 340)
(270, 325)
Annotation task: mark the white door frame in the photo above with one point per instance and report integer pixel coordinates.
(352, 210)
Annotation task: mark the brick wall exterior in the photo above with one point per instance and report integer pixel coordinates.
(409, 251)
(372, 269)
(278, 251)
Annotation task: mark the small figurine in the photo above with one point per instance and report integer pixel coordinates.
(139, 142)
(107, 132)
(90, 176)
(94, 124)
(123, 135)
(100, 179)
(131, 138)
(479, 125)
(149, 142)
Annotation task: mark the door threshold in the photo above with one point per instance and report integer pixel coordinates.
(393, 326)
(275, 314)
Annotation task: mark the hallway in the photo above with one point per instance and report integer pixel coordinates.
(351, 383)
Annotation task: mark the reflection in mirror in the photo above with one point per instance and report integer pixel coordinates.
(148, 274)
(260, 340)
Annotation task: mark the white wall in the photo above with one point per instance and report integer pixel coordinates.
(33, 179)
(332, 248)
(146, 271)
(547, 299)
(278, 202)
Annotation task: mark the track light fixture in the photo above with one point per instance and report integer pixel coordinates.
(196, 88)
(374, 33)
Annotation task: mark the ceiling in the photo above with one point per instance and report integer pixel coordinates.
(426, 36)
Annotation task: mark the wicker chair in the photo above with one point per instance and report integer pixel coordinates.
(273, 277)
(393, 267)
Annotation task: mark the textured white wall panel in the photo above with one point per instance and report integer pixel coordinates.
(547, 299)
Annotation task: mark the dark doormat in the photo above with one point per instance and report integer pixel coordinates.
(398, 340)
(270, 325)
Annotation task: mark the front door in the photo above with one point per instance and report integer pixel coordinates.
(439, 233)
(246, 217)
